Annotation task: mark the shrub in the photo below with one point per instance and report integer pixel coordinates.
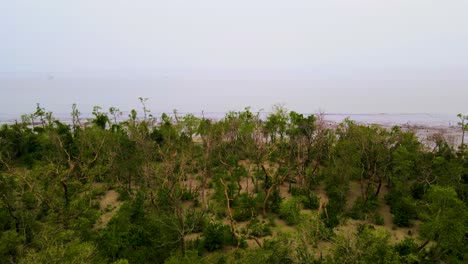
(245, 206)
(195, 220)
(290, 210)
(190, 257)
(312, 230)
(406, 247)
(9, 242)
(312, 201)
(188, 195)
(418, 190)
(337, 195)
(404, 210)
(362, 209)
(275, 202)
(259, 228)
(218, 209)
(121, 261)
(378, 219)
(216, 236)
(242, 214)
(308, 198)
(297, 191)
(137, 237)
(330, 214)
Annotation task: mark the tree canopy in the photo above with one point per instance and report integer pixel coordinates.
(288, 188)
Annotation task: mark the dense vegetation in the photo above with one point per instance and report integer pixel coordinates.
(182, 189)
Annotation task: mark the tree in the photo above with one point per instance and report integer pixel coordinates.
(115, 112)
(100, 119)
(190, 125)
(276, 122)
(145, 109)
(446, 223)
(75, 113)
(464, 126)
(366, 246)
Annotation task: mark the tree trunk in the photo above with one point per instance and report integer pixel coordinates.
(265, 202)
(423, 245)
(367, 193)
(267, 178)
(378, 188)
(268, 189)
(65, 192)
(180, 218)
(10, 212)
(463, 135)
(182, 245)
(228, 209)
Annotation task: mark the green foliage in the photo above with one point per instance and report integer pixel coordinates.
(246, 207)
(10, 242)
(259, 228)
(275, 201)
(100, 119)
(312, 230)
(190, 257)
(447, 221)
(403, 211)
(378, 219)
(362, 210)
(406, 248)
(309, 199)
(276, 123)
(331, 214)
(57, 185)
(290, 210)
(137, 237)
(216, 236)
(59, 246)
(276, 251)
(121, 261)
(418, 190)
(367, 246)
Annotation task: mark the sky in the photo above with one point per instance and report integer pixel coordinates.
(348, 56)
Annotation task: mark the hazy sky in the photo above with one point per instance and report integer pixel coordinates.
(339, 56)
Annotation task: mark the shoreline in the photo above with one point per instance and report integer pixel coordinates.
(425, 126)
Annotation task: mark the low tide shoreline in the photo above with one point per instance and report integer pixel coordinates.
(426, 126)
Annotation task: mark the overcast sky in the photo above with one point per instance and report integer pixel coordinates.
(356, 56)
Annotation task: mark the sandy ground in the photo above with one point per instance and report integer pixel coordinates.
(109, 204)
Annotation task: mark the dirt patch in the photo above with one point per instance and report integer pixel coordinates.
(111, 198)
(400, 233)
(348, 227)
(384, 211)
(324, 248)
(322, 194)
(247, 164)
(284, 190)
(247, 186)
(109, 204)
(282, 227)
(353, 194)
(188, 204)
(191, 183)
(97, 185)
(192, 236)
(253, 243)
